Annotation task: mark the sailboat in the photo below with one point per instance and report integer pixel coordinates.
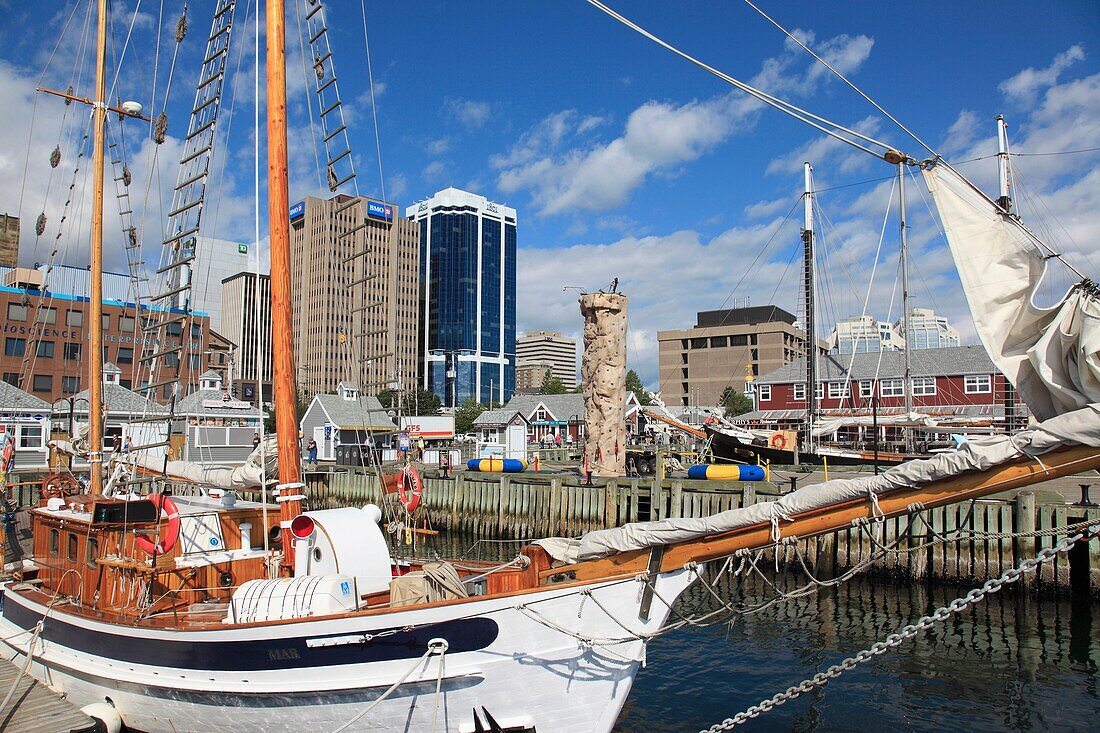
(733, 443)
(173, 613)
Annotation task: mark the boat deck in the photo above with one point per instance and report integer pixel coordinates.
(35, 708)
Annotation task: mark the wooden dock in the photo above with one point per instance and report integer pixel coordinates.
(528, 506)
(35, 708)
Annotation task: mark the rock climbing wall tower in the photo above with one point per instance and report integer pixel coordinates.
(603, 380)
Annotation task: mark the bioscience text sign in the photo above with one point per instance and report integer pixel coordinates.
(379, 210)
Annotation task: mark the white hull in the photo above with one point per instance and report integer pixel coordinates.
(524, 672)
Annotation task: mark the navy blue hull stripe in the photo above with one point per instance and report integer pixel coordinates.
(462, 635)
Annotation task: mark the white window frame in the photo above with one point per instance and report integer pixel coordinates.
(799, 391)
(866, 388)
(891, 388)
(764, 392)
(923, 386)
(978, 384)
(819, 391)
(839, 390)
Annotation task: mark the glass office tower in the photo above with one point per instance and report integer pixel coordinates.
(468, 296)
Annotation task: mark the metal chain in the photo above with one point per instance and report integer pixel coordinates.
(895, 640)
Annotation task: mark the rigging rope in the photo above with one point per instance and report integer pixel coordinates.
(830, 128)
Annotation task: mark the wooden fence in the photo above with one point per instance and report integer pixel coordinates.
(528, 506)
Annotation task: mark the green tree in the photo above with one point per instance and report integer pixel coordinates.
(634, 384)
(551, 385)
(735, 401)
(419, 402)
(302, 406)
(466, 413)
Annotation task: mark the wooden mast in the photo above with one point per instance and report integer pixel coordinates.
(95, 358)
(282, 342)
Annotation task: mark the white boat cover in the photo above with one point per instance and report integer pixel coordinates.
(1051, 355)
(250, 475)
(1080, 427)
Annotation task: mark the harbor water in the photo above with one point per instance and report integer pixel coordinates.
(1011, 663)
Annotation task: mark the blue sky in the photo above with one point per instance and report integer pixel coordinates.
(622, 159)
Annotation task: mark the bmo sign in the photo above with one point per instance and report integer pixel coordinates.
(434, 427)
(379, 210)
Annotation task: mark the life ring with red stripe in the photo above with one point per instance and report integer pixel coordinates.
(169, 531)
(779, 441)
(409, 488)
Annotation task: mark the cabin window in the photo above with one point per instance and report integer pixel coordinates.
(72, 543)
(838, 390)
(765, 392)
(93, 551)
(55, 542)
(866, 388)
(800, 392)
(978, 384)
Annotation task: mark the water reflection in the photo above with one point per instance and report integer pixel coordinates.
(1011, 663)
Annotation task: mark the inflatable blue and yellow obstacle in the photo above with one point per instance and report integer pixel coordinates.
(729, 473)
(496, 465)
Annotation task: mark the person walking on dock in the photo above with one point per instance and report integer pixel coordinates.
(311, 450)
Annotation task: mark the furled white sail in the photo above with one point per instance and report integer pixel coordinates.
(250, 475)
(1081, 427)
(1051, 355)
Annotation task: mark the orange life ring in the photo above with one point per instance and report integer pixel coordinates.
(779, 441)
(409, 488)
(169, 531)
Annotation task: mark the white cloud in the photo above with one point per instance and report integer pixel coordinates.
(470, 113)
(434, 171)
(1025, 85)
(438, 146)
(659, 137)
(826, 152)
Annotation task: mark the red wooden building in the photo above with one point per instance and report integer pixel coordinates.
(956, 386)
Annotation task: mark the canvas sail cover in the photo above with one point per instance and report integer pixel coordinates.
(1081, 427)
(1051, 355)
(250, 475)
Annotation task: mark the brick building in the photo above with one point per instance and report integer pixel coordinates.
(45, 337)
(726, 348)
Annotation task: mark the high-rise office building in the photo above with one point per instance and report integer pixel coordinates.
(246, 321)
(215, 260)
(354, 270)
(9, 240)
(927, 330)
(468, 296)
(550, 347)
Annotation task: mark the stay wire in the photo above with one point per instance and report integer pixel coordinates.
(826, 126)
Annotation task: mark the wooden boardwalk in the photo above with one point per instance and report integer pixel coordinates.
(35, 708)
